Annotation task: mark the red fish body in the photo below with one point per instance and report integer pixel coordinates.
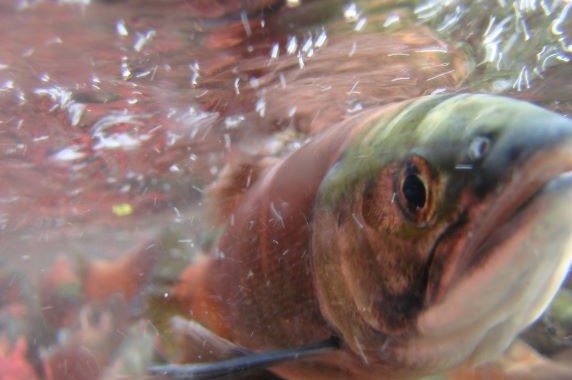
(372, 232)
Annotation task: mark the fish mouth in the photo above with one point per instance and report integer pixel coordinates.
(514, 260)
(490, 221)
(526, 184)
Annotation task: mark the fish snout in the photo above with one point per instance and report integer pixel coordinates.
(532, 134)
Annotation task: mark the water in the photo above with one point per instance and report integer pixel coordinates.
(116, 115)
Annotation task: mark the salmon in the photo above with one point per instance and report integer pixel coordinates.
(407, 241)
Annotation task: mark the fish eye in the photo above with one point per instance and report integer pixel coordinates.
(413, 190)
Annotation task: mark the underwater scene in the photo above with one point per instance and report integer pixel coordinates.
(285, 189)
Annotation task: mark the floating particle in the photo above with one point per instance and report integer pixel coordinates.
(122, 209)
(121, 29)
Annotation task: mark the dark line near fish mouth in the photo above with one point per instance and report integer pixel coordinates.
(522, 193)
(242, 365)
(459, 223)
(487, 244)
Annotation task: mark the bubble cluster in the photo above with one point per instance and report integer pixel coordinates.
(515, 42)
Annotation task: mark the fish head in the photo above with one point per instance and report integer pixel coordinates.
(444, 230)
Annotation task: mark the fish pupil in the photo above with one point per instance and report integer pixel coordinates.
(414, 192)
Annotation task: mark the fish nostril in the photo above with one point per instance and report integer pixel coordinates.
(478, 148)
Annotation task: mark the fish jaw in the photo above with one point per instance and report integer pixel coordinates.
(508, 273)
(483, 313)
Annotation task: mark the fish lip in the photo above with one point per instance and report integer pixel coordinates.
(496, 233)
(488, 305)
(516, 194)
(481, 223)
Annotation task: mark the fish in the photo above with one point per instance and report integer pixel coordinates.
(409, 240)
